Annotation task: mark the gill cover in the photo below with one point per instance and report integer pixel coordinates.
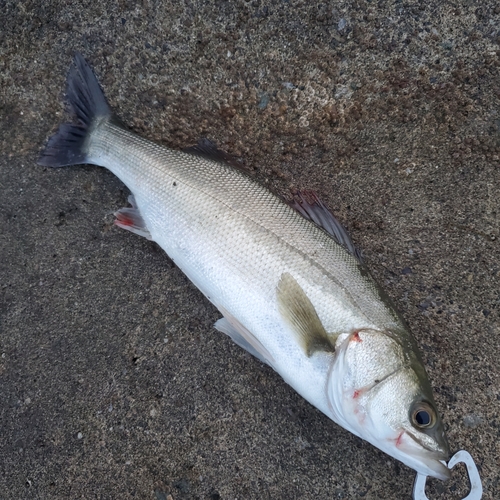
(377, 389)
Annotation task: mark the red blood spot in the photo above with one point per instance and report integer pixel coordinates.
(399, 440)
(356, 337)
(124, 220)
(356, 394)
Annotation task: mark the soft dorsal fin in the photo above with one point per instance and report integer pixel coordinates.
(312, 208)
(208, 149)
(299, 313)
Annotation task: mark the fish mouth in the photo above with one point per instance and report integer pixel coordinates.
(435, 468)
(423, 460)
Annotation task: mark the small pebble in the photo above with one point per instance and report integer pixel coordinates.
(264, 101)
(472, 421)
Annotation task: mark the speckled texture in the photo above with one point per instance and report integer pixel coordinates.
(114, 383)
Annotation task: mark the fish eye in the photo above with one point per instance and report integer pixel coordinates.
(423, 415)
(422, 418)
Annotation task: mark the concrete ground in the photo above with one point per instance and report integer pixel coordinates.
(113, 381)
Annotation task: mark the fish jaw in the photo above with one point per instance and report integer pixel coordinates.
(404, 448)
(372, 399)
(401, 444)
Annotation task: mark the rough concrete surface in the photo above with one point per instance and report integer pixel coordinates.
(113, 381)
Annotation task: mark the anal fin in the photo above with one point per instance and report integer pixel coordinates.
(243, 337)
(130, 218)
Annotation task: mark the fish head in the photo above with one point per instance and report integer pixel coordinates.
(379, 390)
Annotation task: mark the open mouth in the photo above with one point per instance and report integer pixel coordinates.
(422, 459)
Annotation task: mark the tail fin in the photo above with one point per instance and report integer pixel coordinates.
(86, 99)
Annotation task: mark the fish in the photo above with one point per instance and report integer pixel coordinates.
(291, 287)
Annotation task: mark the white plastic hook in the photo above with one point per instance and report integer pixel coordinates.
(462, 456)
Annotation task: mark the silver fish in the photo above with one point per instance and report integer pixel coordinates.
(293, 292)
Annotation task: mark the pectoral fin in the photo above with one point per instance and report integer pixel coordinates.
(299, 313)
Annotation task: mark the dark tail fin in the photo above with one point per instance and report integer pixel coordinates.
(87, 101)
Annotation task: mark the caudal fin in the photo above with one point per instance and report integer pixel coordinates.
(69, 144)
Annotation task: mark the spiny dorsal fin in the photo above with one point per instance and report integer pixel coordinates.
(298, 311)
(312, 208)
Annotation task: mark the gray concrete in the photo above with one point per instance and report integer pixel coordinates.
(113, 382)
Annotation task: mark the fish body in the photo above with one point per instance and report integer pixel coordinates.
(290, 293)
